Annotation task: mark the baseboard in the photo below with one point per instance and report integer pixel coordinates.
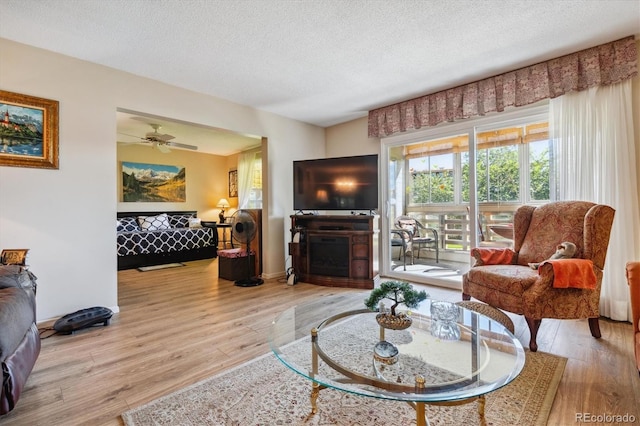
(276, 275)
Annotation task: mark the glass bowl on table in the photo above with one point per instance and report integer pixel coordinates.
(444, 317)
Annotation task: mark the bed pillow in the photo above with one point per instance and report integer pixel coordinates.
(154, 223)
(127, 224)
(180, 220)
(194, 222)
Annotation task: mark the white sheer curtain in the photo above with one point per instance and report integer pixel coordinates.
(596, 153)
(245, 177)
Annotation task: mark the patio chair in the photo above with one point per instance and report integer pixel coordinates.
(400, 238)
(483, 241)
(561, 289)
(421, 236)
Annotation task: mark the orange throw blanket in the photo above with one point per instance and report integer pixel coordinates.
(572, 273)
(495, 256)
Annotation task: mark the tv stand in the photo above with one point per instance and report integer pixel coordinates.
(332, 228)
(371, 213)
(336, 251)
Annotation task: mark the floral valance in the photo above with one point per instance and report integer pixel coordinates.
(598, 66)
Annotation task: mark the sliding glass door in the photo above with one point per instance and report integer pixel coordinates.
(460, 185)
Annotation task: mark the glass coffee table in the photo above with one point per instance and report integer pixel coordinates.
(337, 347)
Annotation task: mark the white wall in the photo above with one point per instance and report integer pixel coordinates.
(65, 217)
(351, 138)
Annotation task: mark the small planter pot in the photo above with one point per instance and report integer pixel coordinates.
(393, 322)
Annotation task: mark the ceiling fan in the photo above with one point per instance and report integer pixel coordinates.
(160, 141)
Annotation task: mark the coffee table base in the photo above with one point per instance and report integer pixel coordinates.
(421, 415)
(481, 404)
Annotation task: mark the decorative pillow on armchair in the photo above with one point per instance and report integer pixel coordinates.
(492, 256)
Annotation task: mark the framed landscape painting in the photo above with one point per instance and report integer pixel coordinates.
(28, 131)
(143, 182)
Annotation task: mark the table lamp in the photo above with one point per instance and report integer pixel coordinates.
(222, 203)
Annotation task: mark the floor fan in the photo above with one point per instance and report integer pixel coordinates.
(243, 230)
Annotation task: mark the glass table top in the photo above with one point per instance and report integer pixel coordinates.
(430, 361)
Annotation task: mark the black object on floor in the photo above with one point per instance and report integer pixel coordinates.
(82, 319)
(249, 282)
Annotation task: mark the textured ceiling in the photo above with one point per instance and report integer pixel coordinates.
(319, 61)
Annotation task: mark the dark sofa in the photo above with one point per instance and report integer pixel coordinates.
(155, 238)
(19, 339)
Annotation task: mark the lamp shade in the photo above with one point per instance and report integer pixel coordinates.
(223, 203)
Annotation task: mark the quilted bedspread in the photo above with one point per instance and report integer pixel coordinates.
(162, 241)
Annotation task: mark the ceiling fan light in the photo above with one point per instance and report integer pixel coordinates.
(163, 148)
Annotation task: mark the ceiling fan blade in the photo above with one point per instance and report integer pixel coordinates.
(159, 140)
(182, 145)
(159, 136)
(131, 136)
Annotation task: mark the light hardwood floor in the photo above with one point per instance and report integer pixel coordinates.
(178, 326)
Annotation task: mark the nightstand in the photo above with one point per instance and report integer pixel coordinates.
(224, 227)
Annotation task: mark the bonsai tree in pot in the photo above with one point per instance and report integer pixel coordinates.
(401, 293)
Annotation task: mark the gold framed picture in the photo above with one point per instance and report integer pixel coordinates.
(28, 131)
(233, 183)
(14, 257)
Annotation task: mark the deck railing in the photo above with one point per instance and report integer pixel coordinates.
(455, 227)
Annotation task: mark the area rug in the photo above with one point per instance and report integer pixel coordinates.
(265, 392)
(156, 267)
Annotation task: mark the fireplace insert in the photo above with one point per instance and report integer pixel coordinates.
(329, 255)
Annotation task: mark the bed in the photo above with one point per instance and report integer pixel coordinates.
(155, 238)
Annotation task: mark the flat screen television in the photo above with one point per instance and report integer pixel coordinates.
(343, 183)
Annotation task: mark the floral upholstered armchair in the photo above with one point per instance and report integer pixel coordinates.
(562, 289)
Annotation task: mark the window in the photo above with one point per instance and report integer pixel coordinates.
(250, 179)
(513, 165)
(255, 195)
(540, 162)
(432, 179)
